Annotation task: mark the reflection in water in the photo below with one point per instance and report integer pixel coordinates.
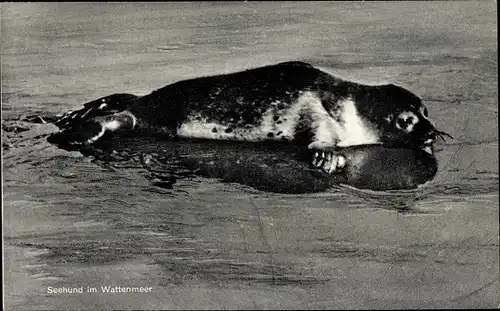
(268, 166)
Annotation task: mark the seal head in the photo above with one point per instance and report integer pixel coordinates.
(402, 118)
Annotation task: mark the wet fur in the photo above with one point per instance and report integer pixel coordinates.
(290, 101)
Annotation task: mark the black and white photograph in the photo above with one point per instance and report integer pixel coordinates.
(255, 155)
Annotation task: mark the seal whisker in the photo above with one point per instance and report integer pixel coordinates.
(441, 135)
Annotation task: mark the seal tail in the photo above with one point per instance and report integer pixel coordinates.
(90, 131)
(96, 118)
(100, 107)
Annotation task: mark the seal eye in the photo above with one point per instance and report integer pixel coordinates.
(406, 121)
(402, 124)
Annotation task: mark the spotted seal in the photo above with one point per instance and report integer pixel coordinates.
(291, 101)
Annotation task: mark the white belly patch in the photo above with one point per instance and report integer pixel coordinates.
(351, 129)
(355, 130)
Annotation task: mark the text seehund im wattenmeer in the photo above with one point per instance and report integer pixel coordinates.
(100, 289)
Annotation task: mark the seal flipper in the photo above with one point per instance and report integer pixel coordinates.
(93, 121)
(103, 106)
(89, 131)
(77, 135)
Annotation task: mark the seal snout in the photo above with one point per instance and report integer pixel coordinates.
(430, 137)
(433, 134)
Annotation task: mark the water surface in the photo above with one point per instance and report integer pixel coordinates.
(71, 222)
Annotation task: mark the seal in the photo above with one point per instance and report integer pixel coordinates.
(292, 101)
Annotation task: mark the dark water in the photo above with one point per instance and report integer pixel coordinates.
(71, 222)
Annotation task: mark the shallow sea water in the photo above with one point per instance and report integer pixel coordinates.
(72, 222)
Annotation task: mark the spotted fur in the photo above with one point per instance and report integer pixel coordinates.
(291, 101)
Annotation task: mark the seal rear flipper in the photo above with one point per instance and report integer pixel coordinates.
(103, 106)
(86, 132)
(79, 135)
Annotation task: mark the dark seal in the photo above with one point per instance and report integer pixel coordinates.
(293, 102)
